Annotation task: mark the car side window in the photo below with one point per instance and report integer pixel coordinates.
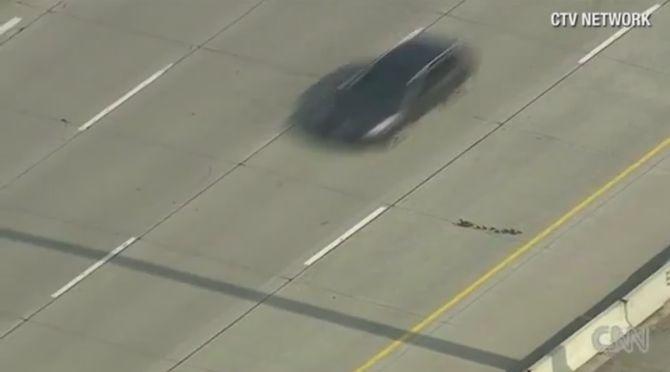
(437, 73)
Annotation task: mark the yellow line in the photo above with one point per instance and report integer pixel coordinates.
(413, 332)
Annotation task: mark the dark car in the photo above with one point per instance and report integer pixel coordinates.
(395, 89)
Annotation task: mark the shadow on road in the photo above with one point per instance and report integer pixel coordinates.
(279, 302)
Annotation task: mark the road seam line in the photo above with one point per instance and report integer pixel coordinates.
(510, 259)
(93, 268)
(602, 46)
(9, 25)
(125, 97)
(353, 230)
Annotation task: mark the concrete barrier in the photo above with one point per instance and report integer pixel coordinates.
(648, 297)
(625, 314)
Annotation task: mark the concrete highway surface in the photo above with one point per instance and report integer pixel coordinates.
(165, 125)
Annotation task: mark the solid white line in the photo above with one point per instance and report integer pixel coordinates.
(613, 38)
(9, 24)
(346, 235)
(125, 97)
(93, 267)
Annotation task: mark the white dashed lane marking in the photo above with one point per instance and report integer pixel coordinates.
(9, 25)
(124, 98)
(93, 267)
(346, 235)
(613, 38)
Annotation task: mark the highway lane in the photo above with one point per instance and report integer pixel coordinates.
(629, 120)
(231, 226)
(120, 196)
(508, 16)
(58, 73)
(74, 70)
(531, 164)
(650, 50)
(352, 31)
(607, 112)
(61, 71)
(575, 269)
(169, 20)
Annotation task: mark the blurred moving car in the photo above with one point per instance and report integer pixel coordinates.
(395, 89)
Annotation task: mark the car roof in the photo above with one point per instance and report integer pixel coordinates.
(410, 57)
(352, 80)
(434, 62)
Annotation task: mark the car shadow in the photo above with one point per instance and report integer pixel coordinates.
(313, 106)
